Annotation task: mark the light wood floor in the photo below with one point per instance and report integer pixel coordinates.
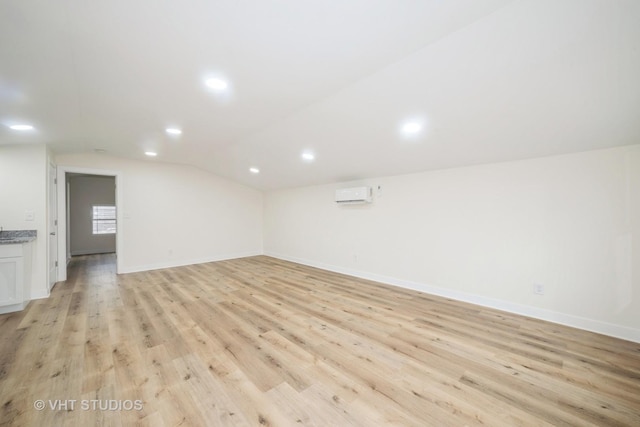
(258, 341)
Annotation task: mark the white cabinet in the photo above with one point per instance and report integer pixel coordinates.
(11, 280)
(12, 276)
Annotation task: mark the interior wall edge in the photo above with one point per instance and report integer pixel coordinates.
(90, 252)
(183, 263)
(591, 325)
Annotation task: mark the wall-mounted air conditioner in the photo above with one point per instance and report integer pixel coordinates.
(354, 195)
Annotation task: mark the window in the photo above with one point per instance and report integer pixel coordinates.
(103, 219)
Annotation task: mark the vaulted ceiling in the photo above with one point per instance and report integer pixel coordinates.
(481, 81)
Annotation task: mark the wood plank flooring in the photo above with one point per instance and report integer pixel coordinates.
(263, 342)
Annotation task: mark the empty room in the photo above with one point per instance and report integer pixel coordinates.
(320, 213)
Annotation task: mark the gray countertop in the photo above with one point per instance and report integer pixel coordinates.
(9, 237)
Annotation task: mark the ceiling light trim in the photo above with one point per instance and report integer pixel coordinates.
(217, 84)
(308, 156)
(22, 127)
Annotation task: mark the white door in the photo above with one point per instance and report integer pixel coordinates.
(53, 226)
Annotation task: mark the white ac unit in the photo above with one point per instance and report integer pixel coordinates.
(354, 195)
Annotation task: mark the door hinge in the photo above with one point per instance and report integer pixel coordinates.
(55, 180)
(55, 222)
(56, 263)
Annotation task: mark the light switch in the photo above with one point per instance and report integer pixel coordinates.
(29, 216)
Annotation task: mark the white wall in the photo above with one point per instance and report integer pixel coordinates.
(84, 192)
(176, 215)
(485, 234)
(23, 187)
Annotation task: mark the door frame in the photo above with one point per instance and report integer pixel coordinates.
(52, 230)
(62, 212)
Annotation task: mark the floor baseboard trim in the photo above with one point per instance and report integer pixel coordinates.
(39, 295)
(81, 253)
(182, 263)
(591, 325)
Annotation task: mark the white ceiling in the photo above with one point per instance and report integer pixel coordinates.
(491, 80)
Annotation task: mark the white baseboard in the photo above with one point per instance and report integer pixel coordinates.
(182, 263)
(13, 307)
(90, 252)
(617, 331)
(40, 295)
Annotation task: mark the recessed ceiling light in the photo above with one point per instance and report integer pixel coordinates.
(411, 128)
(254, 170)
(216, 84)
(21, 127)
(308, 156)
(151, 153)
(173, 131)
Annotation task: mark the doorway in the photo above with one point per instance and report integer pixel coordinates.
(91, 214)
(89, 209)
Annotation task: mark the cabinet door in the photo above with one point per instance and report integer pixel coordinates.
(10, 281)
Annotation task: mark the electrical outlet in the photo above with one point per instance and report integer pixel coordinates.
(29, 216)
(538, 288)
